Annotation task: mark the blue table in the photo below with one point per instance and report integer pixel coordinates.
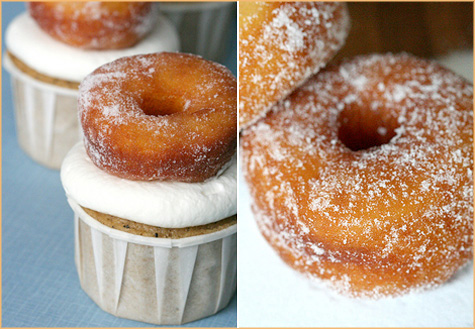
(40, 287)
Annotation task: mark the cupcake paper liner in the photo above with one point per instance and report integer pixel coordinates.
(202, 26)
(46, 117)
(155, 280)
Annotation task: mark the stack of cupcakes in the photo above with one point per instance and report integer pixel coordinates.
(154, 199)
(51, 49)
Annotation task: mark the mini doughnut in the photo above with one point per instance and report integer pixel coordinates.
(281, 44)
(363, 176)
(164, 116)
(95, 25)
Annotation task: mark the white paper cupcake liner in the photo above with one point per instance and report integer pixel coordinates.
(154, 280)
(46, 117)
(202, 26)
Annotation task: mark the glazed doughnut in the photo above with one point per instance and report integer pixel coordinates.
(163, 116)
(363, 176)
(281, 44)
(95, 25)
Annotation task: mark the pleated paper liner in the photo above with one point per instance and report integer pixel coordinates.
(155, 280)
(46, 114)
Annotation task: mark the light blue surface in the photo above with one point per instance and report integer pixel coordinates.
(40, 287)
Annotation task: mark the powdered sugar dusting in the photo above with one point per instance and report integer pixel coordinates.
(292, 34)
(384, 220)
(281, 53)
(138, 123)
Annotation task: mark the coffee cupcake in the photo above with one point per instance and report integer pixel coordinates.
(142, 269)
(153, 187)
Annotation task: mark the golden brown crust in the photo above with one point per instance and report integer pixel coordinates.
(280, 45)
(94, 25)
(371, 215)
(165, 116)
(159, 232)
(41, 77)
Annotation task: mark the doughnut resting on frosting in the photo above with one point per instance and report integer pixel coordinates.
(164, 116)
(281, 44)
(95, 25)
(155, 203)
(363, 176)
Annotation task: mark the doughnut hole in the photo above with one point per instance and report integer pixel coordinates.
(156, 101)
(160, 106)
(360, 128)
(167, 91)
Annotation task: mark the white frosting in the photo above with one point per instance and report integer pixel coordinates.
(41, 52)
(163, 204)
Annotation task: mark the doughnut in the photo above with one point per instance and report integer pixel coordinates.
(95, 25)
(362, 177)
(162, 116)
(281, 44)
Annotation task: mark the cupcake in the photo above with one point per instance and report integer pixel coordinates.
(46, 72)
(202, 26)
(156, 244)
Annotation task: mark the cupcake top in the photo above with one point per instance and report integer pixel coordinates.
(157, 203)
(26, 41)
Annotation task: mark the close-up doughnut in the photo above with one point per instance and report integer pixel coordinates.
(95, 25)
(281, 44)
(164, 116)
(362, 177)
